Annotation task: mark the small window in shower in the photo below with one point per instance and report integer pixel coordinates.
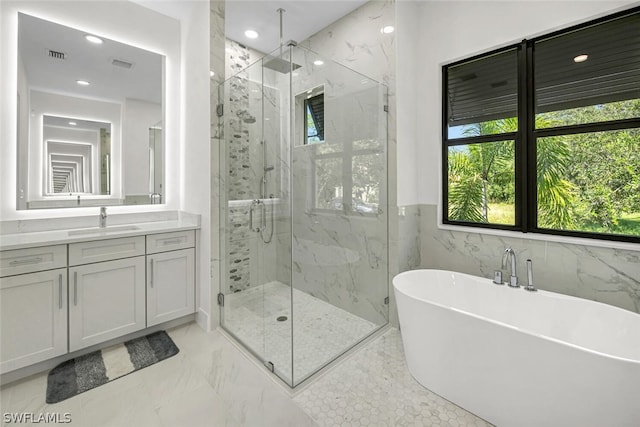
(314, 116)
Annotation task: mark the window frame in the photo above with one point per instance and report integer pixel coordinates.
(525, 140)
(308, 112)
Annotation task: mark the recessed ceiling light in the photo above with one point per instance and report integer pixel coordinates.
(72, 123)
(318, 62)
(251, 34)
(387, 30)
(82, 82)
(93, 39)
(211, 74)
(580, 58)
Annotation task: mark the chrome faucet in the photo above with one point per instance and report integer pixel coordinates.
(513, 279)
(103, 217)
(530, 286)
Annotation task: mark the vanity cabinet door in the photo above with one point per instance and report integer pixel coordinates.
(170, 285)
(33, 318)
(106, 300)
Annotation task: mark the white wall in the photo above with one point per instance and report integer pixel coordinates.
(195, 189)
(452, 30)
(138, 117)
(44, 103)
(122, 21)
(407, 28)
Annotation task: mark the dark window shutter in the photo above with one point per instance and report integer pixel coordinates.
(483, 89)
(316, 107)
(611, 72)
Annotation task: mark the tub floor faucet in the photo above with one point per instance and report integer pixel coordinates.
(513, 279)
(103, 217)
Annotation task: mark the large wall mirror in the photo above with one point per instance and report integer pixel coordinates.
(90, 119)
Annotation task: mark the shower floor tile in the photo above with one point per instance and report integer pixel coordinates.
(321, 331)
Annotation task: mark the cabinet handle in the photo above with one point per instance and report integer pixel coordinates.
(151, 281)
(172, 241)
(60, 291)
(25, 261)
(75, 288)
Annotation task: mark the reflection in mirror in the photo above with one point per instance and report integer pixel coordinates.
(77, 155)
(113, 92)
(156, 162)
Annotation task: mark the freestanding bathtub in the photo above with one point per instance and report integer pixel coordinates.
(518, 358)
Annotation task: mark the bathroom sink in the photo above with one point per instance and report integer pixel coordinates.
(103, 230)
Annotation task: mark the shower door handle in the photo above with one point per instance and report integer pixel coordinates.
(263, 215)
(254, 203)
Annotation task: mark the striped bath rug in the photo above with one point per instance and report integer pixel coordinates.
(94, 369)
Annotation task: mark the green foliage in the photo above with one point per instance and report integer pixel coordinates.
(586, 182)
(465, 189)
(480, 173)
(555, 194)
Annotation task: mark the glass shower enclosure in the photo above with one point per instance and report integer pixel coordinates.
(303, 207)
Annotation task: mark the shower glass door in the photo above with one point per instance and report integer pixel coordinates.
(256, 305)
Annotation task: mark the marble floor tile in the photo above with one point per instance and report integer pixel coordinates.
(251, 396)
(210, 382)
(201, 408)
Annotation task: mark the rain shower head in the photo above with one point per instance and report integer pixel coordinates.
(275, 62)
(280, 65)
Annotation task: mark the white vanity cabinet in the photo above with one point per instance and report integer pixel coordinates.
(106, 290)
(170, 276)
(33, 305)
(62, 298)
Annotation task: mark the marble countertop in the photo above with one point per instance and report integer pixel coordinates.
(34, 237)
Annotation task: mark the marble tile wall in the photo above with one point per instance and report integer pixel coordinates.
(239, 121)
(607, 275)
(251, 119)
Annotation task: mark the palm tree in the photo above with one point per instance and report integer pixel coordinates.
(472, 171)
(556, 199)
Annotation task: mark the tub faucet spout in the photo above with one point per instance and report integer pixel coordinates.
(513, 279)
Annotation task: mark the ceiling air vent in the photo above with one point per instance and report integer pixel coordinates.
(55, 54)
(122, 64)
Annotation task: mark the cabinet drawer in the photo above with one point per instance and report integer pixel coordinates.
(20, 261)
(170, 241)
(105, 250)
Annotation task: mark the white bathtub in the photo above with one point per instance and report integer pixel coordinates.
(518, 358)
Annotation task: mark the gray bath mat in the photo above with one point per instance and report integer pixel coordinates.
(94, 369)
